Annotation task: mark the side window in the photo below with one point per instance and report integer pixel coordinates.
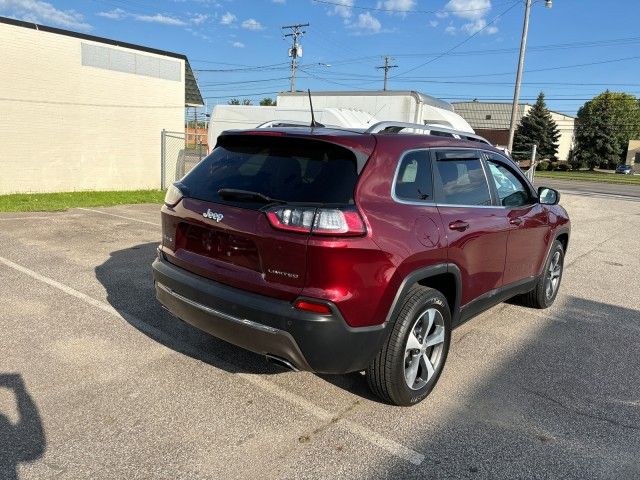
(462, 178)
(510, 189)
(413, 180)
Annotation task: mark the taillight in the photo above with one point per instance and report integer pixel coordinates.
(319, 221)
(173, 196)
(314, 307)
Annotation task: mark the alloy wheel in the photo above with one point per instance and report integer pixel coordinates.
(423, 349)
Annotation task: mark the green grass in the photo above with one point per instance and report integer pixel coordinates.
(587, 176)
(53, 202)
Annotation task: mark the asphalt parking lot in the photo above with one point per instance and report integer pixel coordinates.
(98, 381)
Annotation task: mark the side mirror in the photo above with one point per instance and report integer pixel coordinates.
(548, 196)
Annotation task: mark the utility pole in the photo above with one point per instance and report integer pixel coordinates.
(523, 48)
(295, 51)
(386, 67)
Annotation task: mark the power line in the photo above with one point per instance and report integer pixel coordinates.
(494, 20)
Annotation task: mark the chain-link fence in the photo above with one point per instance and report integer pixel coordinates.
(180, 152)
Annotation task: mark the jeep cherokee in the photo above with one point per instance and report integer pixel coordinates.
(337, 251)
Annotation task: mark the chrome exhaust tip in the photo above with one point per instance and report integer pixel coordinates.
(280, 361)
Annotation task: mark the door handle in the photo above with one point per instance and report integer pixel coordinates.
(516, 221)
(459, 225)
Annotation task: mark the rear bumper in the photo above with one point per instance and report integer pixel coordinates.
(267, 326)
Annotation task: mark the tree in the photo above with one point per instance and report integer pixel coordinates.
(236, 101)
(604, 127)
(267, 102)
(537, 128)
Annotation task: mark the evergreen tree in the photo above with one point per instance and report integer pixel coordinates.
(537, 128)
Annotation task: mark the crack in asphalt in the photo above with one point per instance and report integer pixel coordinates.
(578, 411)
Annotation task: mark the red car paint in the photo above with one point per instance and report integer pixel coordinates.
(361, 275)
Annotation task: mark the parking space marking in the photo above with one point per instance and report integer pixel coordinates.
(120, 216)
(391, 446)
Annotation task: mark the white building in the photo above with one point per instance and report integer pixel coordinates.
(491, 120)
(79, 112)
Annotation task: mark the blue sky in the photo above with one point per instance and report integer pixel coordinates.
(455, 50)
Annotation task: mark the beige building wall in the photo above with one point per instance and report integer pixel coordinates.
(566, 126)
(633, 151)
(68, 127)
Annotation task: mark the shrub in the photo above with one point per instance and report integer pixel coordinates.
(564, 167)
(542, 166)
(553, 165)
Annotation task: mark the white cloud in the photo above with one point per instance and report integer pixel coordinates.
(279, 1)
(433, 23)
(475, 12)
(368, 23)
(115, 14)
(468, 9)
(37, 11)
(450, 30)
(252, 24)
(228, 18)
(237, 45)
(400, 7)
(195, 19)
(160, 18)
(199, 18)
(344, 10)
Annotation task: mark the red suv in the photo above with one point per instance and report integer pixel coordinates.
(336, 251)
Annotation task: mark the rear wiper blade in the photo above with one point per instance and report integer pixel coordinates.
(237, 194)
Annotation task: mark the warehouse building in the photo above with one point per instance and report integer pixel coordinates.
(80, 112)
(491, 120)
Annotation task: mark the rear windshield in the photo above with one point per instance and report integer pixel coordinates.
(286, 169)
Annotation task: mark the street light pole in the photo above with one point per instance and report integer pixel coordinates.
(516, 93)
(523, 47)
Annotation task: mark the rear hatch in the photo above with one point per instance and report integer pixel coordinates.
(248, 209)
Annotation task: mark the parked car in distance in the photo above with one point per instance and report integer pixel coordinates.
(337, 251)
(625, 169)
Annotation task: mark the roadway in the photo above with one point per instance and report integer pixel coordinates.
(577, 187)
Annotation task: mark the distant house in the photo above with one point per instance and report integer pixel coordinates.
(80, 112)
(491, 120)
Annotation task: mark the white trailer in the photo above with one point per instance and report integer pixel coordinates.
(238, 117)
(400, 106)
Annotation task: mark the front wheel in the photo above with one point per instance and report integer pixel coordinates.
(410, 362)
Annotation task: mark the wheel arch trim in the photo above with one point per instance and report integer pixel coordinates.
(422, 274)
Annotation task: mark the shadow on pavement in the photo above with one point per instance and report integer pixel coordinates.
(24, 440)
(564, 405)
(127, 278)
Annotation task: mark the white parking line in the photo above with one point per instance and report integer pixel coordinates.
(394, 448)
(120, 216)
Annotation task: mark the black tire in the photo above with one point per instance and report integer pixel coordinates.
(539, 297)
(386, 373)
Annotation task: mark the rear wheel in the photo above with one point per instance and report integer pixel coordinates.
(410, 362)
(546, 289)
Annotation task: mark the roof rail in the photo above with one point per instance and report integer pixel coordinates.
(429, 129)
(283, 123)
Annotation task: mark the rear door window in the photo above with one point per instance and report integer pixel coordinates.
(461, 178)
(413, 180)
(292, 170)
